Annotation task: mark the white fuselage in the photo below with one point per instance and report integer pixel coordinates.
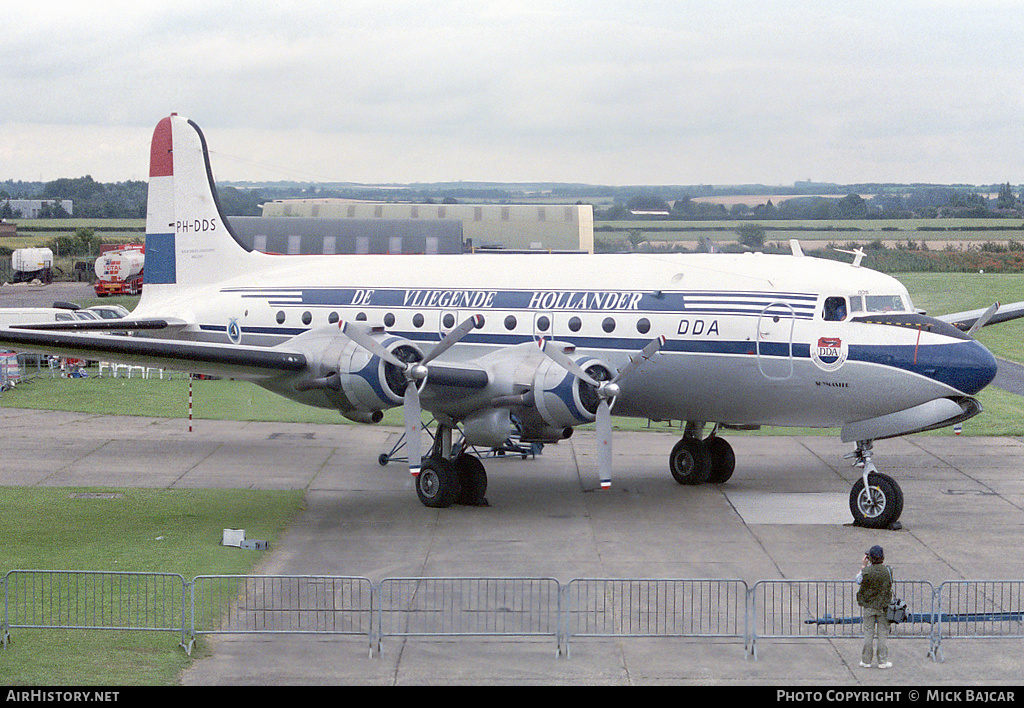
(747, 339)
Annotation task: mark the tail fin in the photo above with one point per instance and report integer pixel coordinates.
(188, 240)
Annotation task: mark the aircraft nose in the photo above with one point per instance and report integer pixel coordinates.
(972, 368)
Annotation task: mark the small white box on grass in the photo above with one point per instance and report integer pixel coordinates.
(233, 537)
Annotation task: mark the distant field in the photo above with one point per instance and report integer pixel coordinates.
(937, 233)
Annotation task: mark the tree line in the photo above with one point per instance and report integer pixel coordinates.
(115, 200)
(922, 202)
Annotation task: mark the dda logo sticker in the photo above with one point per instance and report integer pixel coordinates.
(234, 331)
(829, 354)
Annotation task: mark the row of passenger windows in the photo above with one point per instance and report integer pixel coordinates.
(511, 322)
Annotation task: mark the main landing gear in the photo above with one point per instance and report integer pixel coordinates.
(876, 501)
(695, 461)
(450, 475)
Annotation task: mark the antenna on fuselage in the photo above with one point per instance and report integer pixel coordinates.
(858, 255)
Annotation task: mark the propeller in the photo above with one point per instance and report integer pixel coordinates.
(415, 373)
(606, 394)
(983, 320)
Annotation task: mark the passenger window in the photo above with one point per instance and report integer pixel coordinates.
(835, 309)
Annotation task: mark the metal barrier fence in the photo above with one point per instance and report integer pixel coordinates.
(976, 609)
(797, 609)
(432, 607)
(613, 607)
(80, 599)
(501, 607)
(281, 604)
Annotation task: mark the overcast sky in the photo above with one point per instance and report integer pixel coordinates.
(604, 92)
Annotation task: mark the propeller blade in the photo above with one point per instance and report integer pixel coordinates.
(555, 352)
(604, 442)
(983, 320)
(413, 421)
(645, 354)
(370, 344)
(454, 336)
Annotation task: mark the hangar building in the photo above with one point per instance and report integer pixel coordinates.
(514, 227)
(306, 235)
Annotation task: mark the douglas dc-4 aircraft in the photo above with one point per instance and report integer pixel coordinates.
(490, 344)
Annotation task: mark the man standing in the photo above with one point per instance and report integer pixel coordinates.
(875, 591)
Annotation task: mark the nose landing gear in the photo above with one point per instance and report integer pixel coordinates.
(876, 500)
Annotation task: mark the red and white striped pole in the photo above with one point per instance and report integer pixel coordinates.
(190, 403)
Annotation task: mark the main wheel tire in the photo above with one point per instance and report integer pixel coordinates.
(438, 483)
(689, 462)
(723, 460)
(472, 480)
(880, 505)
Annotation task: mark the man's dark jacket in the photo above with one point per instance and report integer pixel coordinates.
(875, 587)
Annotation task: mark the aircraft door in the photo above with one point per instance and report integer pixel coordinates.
(774, 338)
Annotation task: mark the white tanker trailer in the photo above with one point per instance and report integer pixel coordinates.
(120, 272)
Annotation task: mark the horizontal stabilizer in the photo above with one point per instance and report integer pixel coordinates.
(119, 325)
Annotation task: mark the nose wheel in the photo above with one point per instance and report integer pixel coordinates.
(876, 500)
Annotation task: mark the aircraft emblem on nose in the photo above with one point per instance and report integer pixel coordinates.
(829, 354)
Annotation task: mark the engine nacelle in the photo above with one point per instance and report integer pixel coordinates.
(353, 380)
(489, 427)
(562, 400)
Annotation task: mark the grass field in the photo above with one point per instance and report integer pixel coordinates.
(815, 234)
(142, 530)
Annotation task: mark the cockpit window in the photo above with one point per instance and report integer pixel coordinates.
(877, 303)
(884, 303)
(835, 309)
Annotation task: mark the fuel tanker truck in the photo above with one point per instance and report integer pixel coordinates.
(120, 272)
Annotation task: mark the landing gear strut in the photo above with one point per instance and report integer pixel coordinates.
(450, 475)
(695, 461)
(876, 500)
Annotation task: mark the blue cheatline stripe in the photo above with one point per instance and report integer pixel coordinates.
(160, 259)
(483, 299)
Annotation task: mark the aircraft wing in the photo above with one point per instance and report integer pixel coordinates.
(195, 357)
(966, 320)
